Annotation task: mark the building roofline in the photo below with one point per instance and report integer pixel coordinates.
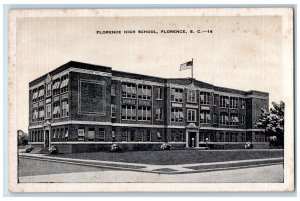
(117, 73)
(68, 65)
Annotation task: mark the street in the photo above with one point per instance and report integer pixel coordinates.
(44, 171)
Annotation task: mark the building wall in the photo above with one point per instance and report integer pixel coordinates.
(86, 106)
(90, 99)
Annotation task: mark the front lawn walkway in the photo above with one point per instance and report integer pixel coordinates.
(176, 157)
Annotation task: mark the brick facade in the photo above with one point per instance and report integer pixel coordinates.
(78, 104)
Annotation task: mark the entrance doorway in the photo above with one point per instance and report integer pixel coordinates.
(192, 139)
(46, 138)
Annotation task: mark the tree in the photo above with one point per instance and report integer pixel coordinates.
(273, 124)
(22, 138)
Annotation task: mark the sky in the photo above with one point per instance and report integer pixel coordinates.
(242, 52)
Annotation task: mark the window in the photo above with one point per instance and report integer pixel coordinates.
(233, 103)
(124, 135)
(80, 134)
(176, 115)
(204, 98)
(48, 89)
(249, 137)
(35, 114)
(65, 108)
(224, 119)
(205, 117)
(101, 134)
(113, 111)
(158, 135)
(53, 135)
(191, 96)
(144, 113)
(233, 137)
(41, 114)
(56, 87)
(147, 135)
(243, 104)
(173, 136)
(48, 111)
(128, 91)
(66, 134)
(224, 101)
(35, 95)
(159, 93)
(144, 92)
(91, 134)
(234, 120)
(176, 95)
(191, 115)
(158, 114)
(221, 137)
(56, 110)
(41, 93)
(213, 137)
(177, 136)
(207, 137)
(113, 90)
(128, 112)
(62, 134)
(242, 119)
(64, 84)
(243, 137)
(140, 134)
(128, 135)
(131, 136)
(227, 137)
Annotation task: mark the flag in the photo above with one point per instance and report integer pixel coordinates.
(187, 65)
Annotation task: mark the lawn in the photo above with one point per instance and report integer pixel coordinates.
(175, 157)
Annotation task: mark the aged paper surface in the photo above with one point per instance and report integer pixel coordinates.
(245, 49)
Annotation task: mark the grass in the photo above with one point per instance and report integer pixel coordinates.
(175, 157)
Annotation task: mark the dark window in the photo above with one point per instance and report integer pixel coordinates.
(233, 102)
(144, 92)
(177, 115)
(113, 90)
(101, 134)
(80, 134)
(56, 87)
(176, 95)
(144, 113)
(64, 84)
(204, 98)
(128, 112)
(224, 101)
(159, 93)
(129, 90)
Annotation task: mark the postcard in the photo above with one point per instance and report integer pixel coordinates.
(151, 100)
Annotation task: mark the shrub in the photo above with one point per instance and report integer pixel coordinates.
(29, 148)
(115, 148)
(248, 145)
(165, 146)
(53, 150)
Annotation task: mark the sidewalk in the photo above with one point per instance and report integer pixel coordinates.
(161, 169)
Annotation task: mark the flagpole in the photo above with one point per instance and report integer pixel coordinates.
(192, 69)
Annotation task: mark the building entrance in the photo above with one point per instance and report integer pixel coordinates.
(192, 139)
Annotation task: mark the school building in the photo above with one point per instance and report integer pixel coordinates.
(82, 107)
